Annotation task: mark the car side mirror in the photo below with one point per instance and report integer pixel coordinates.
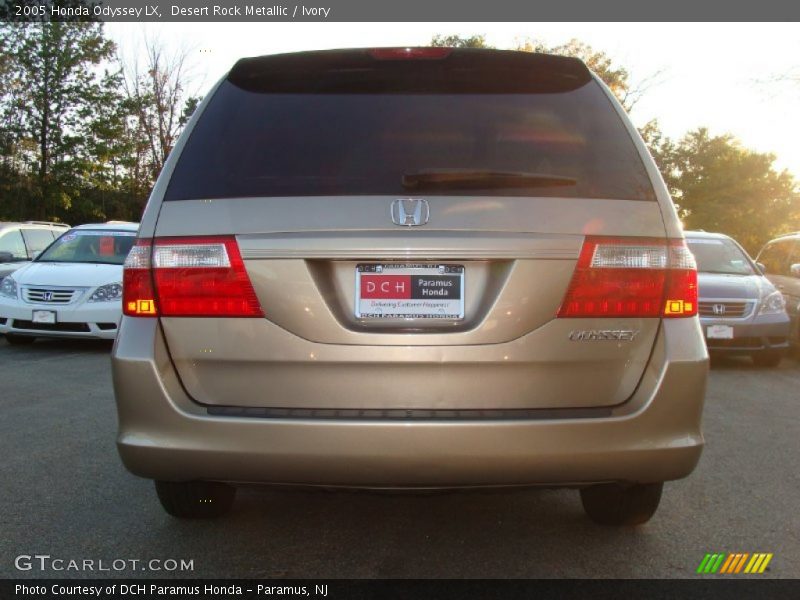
(6, 257)
(762, 267)
(795, 270)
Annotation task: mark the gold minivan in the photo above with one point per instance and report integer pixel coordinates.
(410, 268)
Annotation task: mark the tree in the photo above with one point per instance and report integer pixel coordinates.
(60, 75)
(662, 149)
(160, 106)
(615, 77)
(717, 184)
(721, 186)
(457, 41)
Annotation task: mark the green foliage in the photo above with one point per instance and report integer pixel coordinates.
(59, 85)
(718, 185)
(457, 41)
(79, 142)
(615, 77)
(76, 143)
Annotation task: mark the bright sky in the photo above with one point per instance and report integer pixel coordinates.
(712, 74)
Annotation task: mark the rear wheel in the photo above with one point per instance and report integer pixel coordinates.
(767, 359)
(621, 504)
(19, 340)
(195, 499)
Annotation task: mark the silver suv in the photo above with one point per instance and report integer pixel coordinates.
(780, 261)
(410, 268)
(20, 243)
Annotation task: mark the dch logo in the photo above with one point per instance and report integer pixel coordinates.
(385, 286)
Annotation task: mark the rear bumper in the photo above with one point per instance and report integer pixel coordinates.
(767, 333)
(654, 436)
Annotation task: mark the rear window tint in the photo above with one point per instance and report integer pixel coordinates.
(250, 143)
(37, 239)
(777, 257)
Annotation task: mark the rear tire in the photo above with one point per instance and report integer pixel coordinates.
(767, 359)
(621, 504)
(19, 340)
(195, 499)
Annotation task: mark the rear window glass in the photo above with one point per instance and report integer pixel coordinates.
(777, 257)
(251, 143)
(37, 239)
(11, 242)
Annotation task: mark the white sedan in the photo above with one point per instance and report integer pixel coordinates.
(73, 289)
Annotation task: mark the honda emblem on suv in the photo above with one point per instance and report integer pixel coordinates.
(410, 212)
(719, 309)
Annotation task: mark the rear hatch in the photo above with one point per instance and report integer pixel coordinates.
(412, 213)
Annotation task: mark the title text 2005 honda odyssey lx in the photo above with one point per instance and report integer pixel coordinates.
(410, 268)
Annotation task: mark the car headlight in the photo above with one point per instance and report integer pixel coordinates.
(772, 303)
(105, 293)
(8, 287)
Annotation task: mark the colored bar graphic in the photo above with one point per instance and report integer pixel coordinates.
(703, 563)
(753, 564)
(727, 565)
(765, 563)
(741, 561)
(718, 563)
(710, 563)
(733, 563)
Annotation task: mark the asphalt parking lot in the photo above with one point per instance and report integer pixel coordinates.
(66, 494)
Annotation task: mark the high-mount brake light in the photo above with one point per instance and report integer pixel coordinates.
(632, 277)
(188, 277)
(410, 53)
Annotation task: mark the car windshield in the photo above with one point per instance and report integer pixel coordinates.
(719, 256)
(90, 246)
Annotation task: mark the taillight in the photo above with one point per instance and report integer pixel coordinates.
(632, 277)
(188, 277)
(138, 296)
(410, 53)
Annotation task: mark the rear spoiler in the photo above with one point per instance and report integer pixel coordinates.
(410, 70)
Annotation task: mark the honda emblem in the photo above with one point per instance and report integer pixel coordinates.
(410, 212)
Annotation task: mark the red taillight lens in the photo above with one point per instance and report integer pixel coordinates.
(193, 277)
(632, 277)
(410, 53)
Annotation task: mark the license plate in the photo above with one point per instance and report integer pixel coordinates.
(720, 332)
(44, 316)
(409, 291)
